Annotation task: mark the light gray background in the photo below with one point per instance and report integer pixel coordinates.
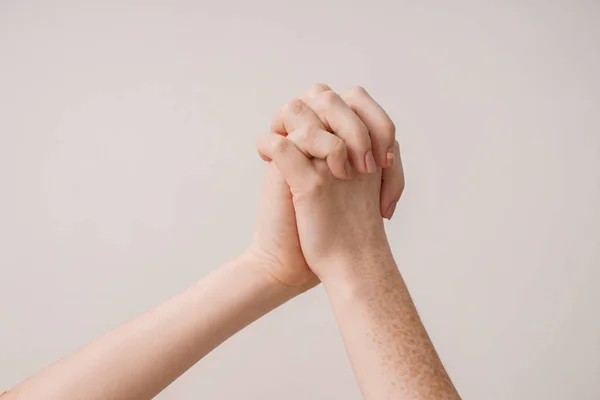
(128, 171)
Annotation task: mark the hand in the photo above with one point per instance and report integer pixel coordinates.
(336, 217)
(276, 243)
(362, 125)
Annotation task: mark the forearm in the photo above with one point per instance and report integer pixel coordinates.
(390, 351)
(142, 357)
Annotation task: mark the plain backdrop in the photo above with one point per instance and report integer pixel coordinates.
(128, 171)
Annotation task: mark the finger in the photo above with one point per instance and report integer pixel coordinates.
(293, 165)
(315, 90)
(310, 136)
(392, 185)
(338, 118)
(381, 127)
(318, 143)
(294, 115)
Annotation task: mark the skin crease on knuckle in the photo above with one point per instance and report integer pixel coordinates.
(279, 144)
(316, 89)
(356, 91)
(329, 98)
(295, 106)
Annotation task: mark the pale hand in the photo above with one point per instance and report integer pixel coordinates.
(352, 133)
(336, 219)
(276, 241)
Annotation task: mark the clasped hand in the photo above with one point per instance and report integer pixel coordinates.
(334, 171)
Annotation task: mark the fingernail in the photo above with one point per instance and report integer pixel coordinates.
(391, 157)
(390, 211)
(370, 162)
(348, 169)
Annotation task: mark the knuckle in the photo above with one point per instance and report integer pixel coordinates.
(294, 106)
(356, 91)
(318, 88)
(279, 144)
(329, 98)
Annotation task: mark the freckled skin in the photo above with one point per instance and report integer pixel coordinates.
(391, 353)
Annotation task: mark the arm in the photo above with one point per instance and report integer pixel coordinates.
(343, 238)
(142, 357)
(390, 351)
(344, 243)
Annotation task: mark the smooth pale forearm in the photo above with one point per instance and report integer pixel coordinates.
(139, 359)
(390, 351)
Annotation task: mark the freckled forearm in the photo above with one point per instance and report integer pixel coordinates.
(388, 346)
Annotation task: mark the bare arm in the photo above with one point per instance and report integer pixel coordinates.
(343, 237)
(142, 357)
(390, 351)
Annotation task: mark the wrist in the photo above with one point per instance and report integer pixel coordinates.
(263, 268)
(359, 268)
(356, 247)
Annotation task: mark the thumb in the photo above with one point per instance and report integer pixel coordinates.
(289, 160)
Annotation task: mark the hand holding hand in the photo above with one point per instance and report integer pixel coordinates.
(336, 218)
